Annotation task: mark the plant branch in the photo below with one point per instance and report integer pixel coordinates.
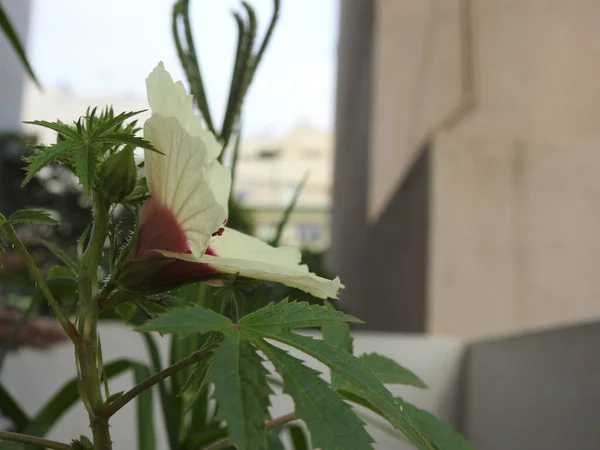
(88, 349)
(64, 321)
(195, 357)
(26, 439)
(189, 59)
(268, 425)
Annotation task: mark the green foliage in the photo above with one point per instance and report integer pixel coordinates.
(31, 216)
(83, 443)
(246, 62)
(290, 315)
(234, 365)
(241, 390)
(332, 423)
(298, 437)
(422, 428)
(187, 321)
(83, 146)
(439, 435)
(390, 372)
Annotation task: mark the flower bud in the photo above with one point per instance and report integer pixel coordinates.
(118, 175)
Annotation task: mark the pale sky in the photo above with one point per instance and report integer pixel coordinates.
(108, 48)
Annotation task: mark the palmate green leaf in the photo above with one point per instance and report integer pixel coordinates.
(32, 216)
(242, 391)
(86, 165)
(439, 434)
(274, 322)
(390, 372)
(15, 42)
(46, 156)
(58, 126)
(291, 315)
(387, 370)
(355, 371)
(186, 321)
(127, 139)
(338, 335)
(332, 423)
(111, 123)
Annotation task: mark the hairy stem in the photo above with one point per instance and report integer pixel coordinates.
(268, 425)
(90, 372)
(26, 439)
(39, 279)
(195, 357)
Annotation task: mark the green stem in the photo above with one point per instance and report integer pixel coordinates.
(39, 279)
(195, 357)
(26, 439)
(90, 374)
(268, 425)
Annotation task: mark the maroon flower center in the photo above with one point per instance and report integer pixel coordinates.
(160, 230)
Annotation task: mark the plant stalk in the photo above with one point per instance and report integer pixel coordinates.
(195, 357)
(87, 351)
(26, 439)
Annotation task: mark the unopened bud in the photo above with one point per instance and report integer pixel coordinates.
(118, 175)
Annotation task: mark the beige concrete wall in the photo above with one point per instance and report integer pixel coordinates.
(417, 84)
(515, 181)
(515, 241)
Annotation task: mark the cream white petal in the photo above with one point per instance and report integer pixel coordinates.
(238, 253)
(170, 99)
(182, 180)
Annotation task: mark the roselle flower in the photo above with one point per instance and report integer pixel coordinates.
(183, 222)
